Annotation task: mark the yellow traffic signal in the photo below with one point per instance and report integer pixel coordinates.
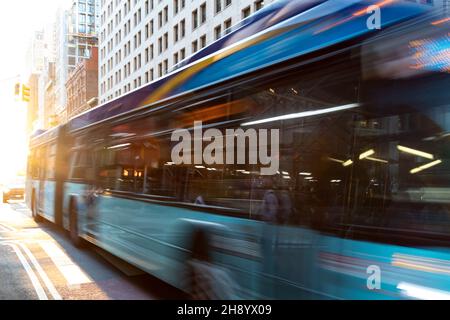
(25, 93)
(17, 89)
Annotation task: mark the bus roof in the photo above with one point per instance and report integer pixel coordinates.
(268, 16)
(280, 32)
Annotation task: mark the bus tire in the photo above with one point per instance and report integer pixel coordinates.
(34, 212)
(75, 238)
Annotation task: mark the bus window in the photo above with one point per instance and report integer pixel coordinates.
(159, 177)
(81, 165)
(220, 186)
(51, 162)
(403, 185)
(140, 165)
(310, 185)
(354, 172)
(306, 182)
(113, 165)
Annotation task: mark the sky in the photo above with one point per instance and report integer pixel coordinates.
(18, 21)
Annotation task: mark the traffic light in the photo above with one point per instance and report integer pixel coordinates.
(17, 89)
(25, 93)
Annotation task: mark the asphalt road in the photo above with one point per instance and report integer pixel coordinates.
(39, 262)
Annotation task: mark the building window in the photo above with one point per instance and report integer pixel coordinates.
(147, 7)
(149, 29)
(175, 33)
(166, 66)
(182, 54)
(227, 25)
(203, 41)
(175, 7)
(182, 28)
(218, 6)
(217, 32)
(160, 19)
(194, 46)
(246, 12)
(166, 14)
(203, 13)
(166, 41)
(259, 4)
(194, 19)
(160, 70)
(227, 3)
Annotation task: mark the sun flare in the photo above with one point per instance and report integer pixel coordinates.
(14, 144)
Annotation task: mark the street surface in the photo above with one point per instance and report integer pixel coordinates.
(38, 262)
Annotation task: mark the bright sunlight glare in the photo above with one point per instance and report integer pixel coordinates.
(19, 20)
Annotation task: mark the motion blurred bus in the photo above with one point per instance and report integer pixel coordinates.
(359, 207)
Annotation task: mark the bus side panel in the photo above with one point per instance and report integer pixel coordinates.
(150, 236)
(293, 264)
(157, 239)
(134, 231)
(47, 200)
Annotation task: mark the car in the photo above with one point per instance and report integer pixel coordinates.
(14, 190)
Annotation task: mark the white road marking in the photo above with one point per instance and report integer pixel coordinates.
(73, 274)
(42, 273)
(34, 279)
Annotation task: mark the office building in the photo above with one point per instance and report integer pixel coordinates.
(140, 40)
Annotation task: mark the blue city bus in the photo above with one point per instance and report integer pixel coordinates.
(359, 207)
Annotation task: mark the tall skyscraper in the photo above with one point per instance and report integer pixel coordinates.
(40, 52)
(76, 34)
(140, 40)
(36, 53)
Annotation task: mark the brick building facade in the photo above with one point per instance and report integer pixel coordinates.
(82, 86)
